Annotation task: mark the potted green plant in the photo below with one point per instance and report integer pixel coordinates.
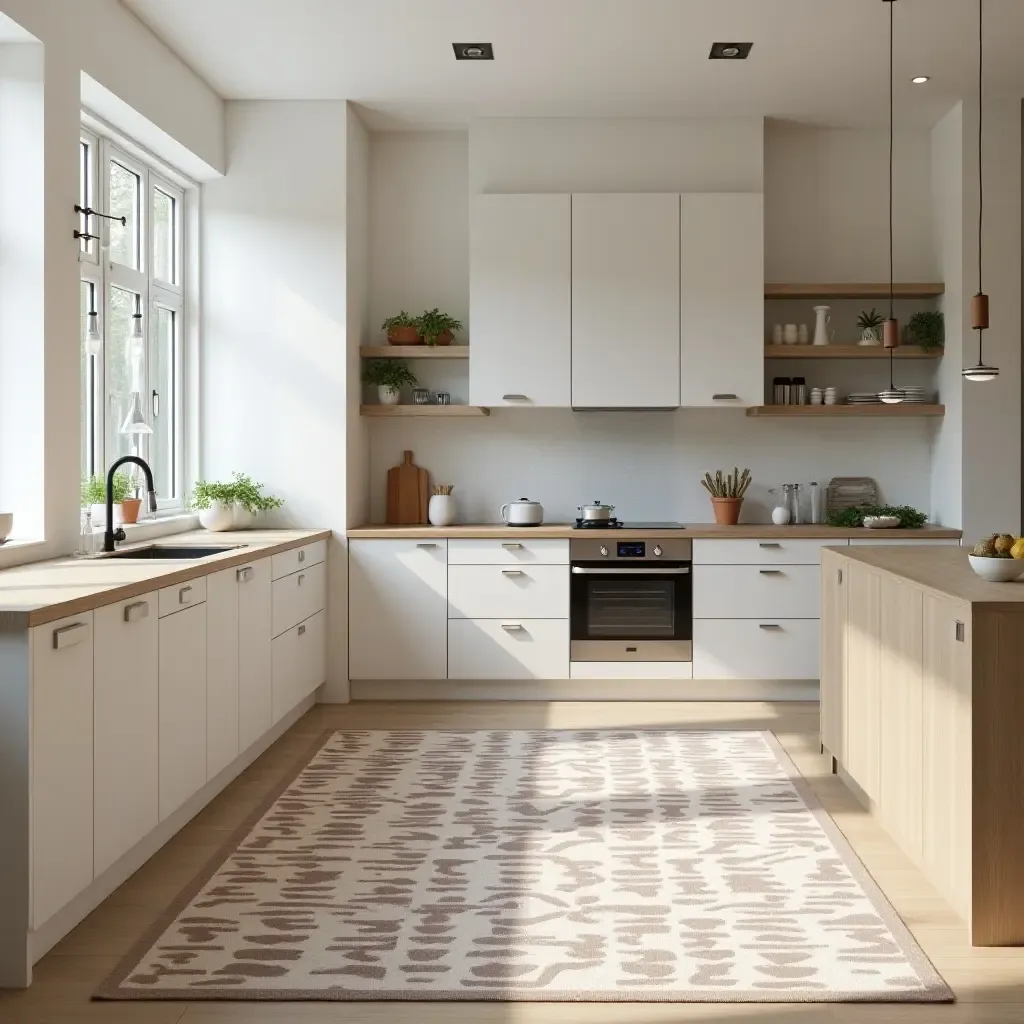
(94, 494)
(402, 329)
(870, 324)
(727, 492)
(437, 328)
(388, 376)
(249, 501)
(927, 329)
(215, 504)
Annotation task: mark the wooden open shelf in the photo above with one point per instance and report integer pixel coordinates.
(849, 352)
(423, 410)
(855, 290)
(414, 351)
(844, 411)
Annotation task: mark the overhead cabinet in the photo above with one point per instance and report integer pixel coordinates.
(625, 301)
(519, 298)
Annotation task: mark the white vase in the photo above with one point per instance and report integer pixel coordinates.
(780, 515)
(388, 397)
(99, 514)
(821, 325)
(243, 518)
(441, 510)
(217, 518)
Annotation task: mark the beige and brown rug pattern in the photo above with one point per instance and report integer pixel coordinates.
(538, 865)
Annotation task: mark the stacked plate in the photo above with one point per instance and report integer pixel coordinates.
(863, 398)
(916, 395)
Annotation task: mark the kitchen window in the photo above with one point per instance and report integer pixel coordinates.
(132, 277)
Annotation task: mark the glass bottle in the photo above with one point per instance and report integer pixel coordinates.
(86, 541)
(792, 492)
(817, 512)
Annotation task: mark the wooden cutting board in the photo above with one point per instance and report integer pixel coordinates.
(408, 493)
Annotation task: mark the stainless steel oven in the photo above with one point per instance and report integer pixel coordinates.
(631, 600)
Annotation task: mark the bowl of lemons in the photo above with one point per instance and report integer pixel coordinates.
(999, 558)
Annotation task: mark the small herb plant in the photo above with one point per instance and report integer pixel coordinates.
(400, 319)
(242, 490)
(205, 493)
(927, 329)
(392, 374)
(432, 323)
(94, 489)
(870, 321)
(849, 518)
(728, 485)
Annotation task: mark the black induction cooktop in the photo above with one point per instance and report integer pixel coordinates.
(618, 524)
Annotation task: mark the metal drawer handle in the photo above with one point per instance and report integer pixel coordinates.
(302, 629)
(771, 626)
(725, 396)
(514, 398)
(302, 577)
(771, 572)
(769, 544)
(136, 611)
(512, 545)
(582, 570)
(68, 636)
(244, 575)
(513, 627)
(302, 556)
(512, 572)
(426, 545)
(183, 595)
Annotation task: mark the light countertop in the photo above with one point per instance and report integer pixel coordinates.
(695, 531)
(942, 570)
(44, 591)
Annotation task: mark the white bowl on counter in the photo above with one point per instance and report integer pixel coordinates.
(881, 522)
(997, 570)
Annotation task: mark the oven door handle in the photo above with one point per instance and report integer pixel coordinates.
(579, 570)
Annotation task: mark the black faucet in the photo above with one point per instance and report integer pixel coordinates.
(109, 534)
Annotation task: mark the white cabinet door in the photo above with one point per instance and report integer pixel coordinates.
(625, 301)
(254, 633)
(755, 649)
(125, 724)
(221, 669)
(495, 592)
(519, 300)
(312, 644)
(721, 314)
(398, 609)
(182, 707)
(62, 751)
(284, 672)
(756, 591)
(498, 649)
(298, 596)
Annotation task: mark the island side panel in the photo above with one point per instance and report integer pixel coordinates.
(998, 784)
(833, 654)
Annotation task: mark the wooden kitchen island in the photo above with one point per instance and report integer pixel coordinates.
(922, 708)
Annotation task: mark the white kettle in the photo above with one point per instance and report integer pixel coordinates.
(522, 513)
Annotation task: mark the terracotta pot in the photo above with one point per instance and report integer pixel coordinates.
(444, 338)
(404, 336)
(727, 510)
(130, 509)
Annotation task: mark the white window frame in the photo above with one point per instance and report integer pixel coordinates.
(98, 269)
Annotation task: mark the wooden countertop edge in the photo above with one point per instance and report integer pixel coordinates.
(697, 531)
(174, 575)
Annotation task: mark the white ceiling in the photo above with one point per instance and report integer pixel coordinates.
(814, 60)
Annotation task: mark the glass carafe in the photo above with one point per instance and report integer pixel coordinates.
(791, 499)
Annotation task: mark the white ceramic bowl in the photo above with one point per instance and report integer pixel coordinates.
(881, 522)
(997, 570)
(6, 524)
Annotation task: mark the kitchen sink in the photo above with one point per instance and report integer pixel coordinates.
(170, 552)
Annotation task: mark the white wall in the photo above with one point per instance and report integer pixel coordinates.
(275, 322)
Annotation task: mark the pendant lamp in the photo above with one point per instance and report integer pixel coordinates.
(979, 304)
(891, 328)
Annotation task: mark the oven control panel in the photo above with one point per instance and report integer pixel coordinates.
(671, 549)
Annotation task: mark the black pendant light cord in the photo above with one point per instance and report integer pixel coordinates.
(892, 5)
(981, 177)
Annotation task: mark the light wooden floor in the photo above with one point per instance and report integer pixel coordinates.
(989, 983)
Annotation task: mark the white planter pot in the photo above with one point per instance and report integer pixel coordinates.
(441, 510)
(218, 517)
(388, 397)
(99, 514)
(243, 518)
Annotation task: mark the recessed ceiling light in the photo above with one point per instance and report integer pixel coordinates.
(473, 51)
(729, 51)
(920, 79)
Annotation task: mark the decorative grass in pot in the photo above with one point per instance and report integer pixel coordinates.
(402, 329)
(727, 492)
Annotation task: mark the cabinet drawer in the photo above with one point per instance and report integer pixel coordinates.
(494, 592)
(184, 595)
(761, 552)
(750, 591)
(287, 562)
(508, 552)
(297, 597)
(508, 649)
(755, 649)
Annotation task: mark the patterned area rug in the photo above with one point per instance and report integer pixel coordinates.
(545, 865)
